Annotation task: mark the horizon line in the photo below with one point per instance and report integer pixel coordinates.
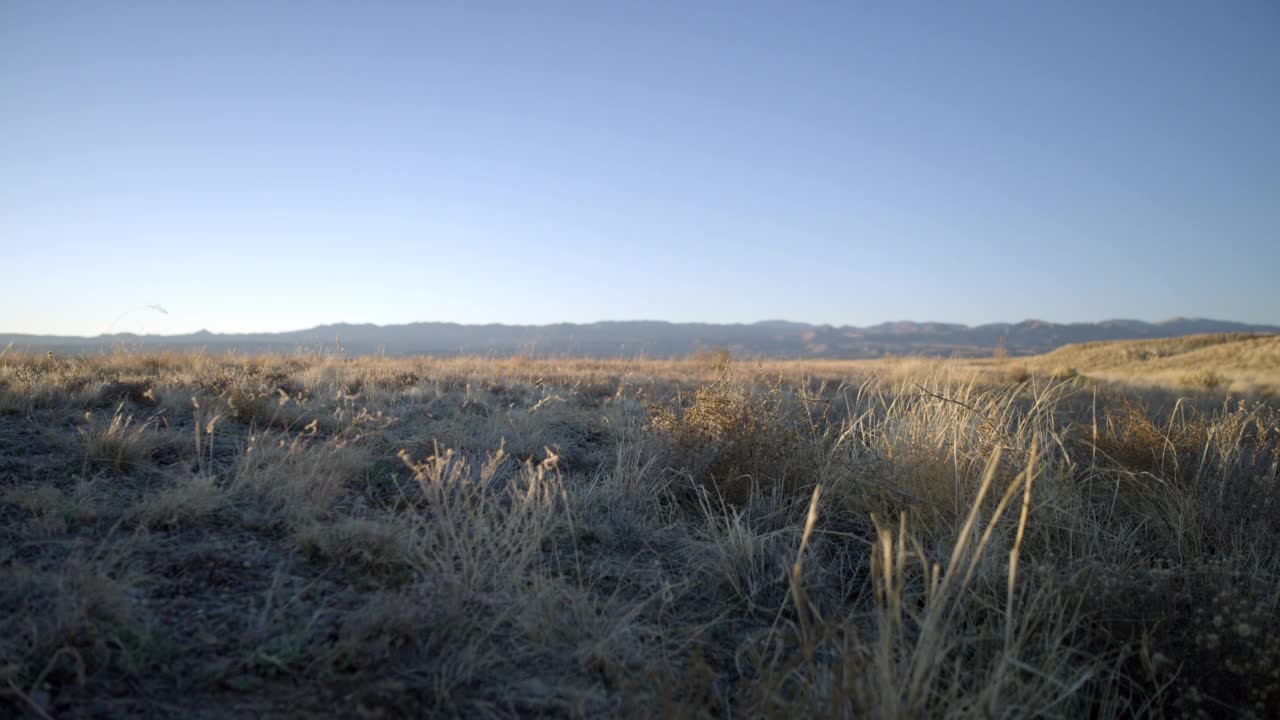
(772, 321)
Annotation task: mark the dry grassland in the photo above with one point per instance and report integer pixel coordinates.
(201, 536)
(1242, 364)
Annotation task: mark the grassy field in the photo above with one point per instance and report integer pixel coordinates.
(188, 535)
(1243, 364)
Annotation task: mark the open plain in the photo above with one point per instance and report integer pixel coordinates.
(233, 536)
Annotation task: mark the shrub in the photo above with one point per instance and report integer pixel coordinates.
(138, 391)
(731, 440)
(1203, 380)
(1131, 440)
(1064, 373)
(1018, 374)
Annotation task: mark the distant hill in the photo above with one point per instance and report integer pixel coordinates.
(772, 338)
(1234, 361)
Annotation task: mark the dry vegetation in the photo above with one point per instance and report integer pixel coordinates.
(1239, 363)
(228, 536)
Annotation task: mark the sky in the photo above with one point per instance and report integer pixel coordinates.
(267, 166)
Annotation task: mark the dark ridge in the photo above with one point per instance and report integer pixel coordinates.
(772, 338)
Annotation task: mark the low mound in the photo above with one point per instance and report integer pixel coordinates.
(1235, 361)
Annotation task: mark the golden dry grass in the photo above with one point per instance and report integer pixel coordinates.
(1239, 363)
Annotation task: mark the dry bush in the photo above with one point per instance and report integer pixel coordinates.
(1191, 445)
(139, 391)
(1064, 373)
(735, 441)
(1132, 440)
(1017, 374)
(1204, 379)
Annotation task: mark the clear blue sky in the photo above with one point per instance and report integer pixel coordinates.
(270, 166)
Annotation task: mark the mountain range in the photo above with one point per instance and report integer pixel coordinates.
(773, 338)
